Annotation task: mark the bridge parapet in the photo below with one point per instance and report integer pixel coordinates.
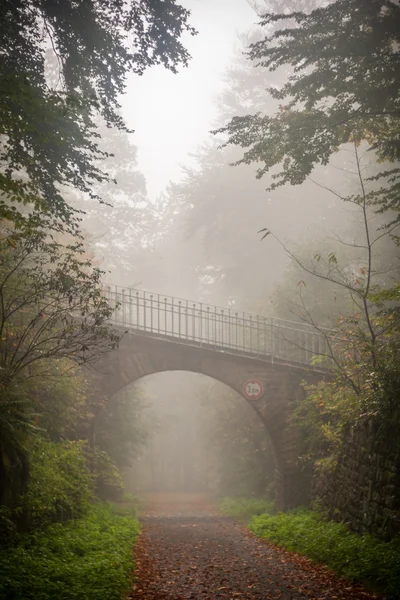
(225, 329)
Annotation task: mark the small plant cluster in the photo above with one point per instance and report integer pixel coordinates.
(358, 558)
(88, 558)
(245, 508)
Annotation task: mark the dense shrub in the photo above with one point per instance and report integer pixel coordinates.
(359, 558)
(108, 484)
(60, 483)
(89, 559)
(8, 530)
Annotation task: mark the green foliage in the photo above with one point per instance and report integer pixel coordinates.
(365, 389)
(245, 508)
(60, 484)
(50, 97)
(120, 429)
(53, 316)
(62, 405)
(16, 425)
(87, 559)
(322, 416)
(328, 100)
(359, 558)
(129, 506)
(107, 479)
(8, 530)
(381, 394)
(53, 306)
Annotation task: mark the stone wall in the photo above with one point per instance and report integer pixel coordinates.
(363, 489)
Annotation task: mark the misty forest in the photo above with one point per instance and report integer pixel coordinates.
(199, 299)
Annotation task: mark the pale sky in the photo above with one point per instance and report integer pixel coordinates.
(172, 114)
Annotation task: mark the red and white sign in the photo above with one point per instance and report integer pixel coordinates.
(253, 389)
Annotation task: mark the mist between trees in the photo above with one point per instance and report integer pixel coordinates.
(288, 209)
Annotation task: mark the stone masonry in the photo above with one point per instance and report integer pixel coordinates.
(363, 490)
(142, 355)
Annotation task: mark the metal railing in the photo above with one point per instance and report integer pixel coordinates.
(222, 329)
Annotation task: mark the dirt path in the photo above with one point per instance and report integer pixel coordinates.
(188, 551)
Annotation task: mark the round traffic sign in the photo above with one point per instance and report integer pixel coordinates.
(253, 389)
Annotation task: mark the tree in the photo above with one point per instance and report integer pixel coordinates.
(48, 133)
(124, 226)
(52, 306)
(362, 346)
(216, 210)
(340, 55)
(119, 428)
(51, 310)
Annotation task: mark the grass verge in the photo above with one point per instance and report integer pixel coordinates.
(245, 508)
(363, 559)
(90, 558)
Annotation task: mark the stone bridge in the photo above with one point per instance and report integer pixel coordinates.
(264, 360)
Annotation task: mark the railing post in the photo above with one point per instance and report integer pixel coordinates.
(151, 313)
(123, 306)
(179, 317)
(158, 313)
(130, 307)
(215, 326)
(272, 341)
(187, 319)
(144, 311)
(137, 311)
(237, 336)
(265, 337)
(109, 296)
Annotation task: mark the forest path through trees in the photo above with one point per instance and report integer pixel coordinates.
(188, 551)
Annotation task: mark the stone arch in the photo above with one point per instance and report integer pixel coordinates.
(139, 356)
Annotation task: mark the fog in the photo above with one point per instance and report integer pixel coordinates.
(182, 221)
(199, 299)
(200, 437)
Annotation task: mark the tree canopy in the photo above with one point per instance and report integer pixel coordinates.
(344, 84)
(48, 132)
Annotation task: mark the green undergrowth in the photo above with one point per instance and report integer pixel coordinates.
(129, 506)
(89, 558)
(245, 508)
(363, 559)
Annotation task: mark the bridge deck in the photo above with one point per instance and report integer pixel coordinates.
(267, 358)
(215, 328)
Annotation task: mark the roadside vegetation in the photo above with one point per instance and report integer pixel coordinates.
(364, 559)
(89, 558)
(244, 509)
(64, 532)
(61, 447)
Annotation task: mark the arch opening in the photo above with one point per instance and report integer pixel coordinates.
(193, 434)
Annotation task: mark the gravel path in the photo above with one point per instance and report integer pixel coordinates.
(188, 551)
